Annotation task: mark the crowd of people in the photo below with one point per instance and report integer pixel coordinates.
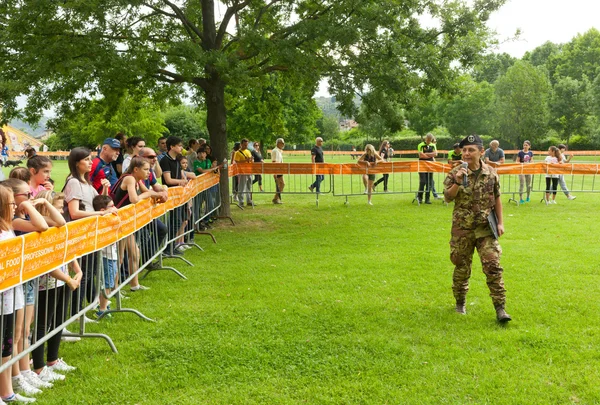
(124, 172)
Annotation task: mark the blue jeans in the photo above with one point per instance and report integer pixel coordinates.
(317, 184)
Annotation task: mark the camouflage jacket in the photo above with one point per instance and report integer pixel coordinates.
(473, 203)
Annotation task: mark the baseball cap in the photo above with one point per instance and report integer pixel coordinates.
(112, 142)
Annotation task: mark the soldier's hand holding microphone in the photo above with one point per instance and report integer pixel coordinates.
(461, 175)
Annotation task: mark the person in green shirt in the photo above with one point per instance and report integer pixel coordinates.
(202, 163)
(455, 156)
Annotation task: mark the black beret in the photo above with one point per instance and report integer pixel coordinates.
(471, 140)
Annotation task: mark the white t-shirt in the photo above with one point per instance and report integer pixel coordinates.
(126, 163)
(276, 155)
(76, 190)
(552, 160)
(12, 299)
(110, 252)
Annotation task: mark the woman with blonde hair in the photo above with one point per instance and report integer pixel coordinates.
(369, 158)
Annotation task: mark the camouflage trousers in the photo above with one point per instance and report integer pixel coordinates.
(462, 246)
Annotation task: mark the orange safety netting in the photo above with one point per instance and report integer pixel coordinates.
(440, 151)
(415, 166)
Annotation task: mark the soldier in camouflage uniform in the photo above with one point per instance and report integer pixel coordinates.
(473, 203)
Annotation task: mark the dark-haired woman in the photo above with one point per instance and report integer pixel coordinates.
(79, 194)
(384, 149)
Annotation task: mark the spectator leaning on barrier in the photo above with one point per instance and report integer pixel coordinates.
(257, 156)
(173, 177)
(494, 156)
(561, 178)
(277, 157)
(162, 148)
(192, 154)
(243, 155)
(384, 149)
(40, 169)
(525, 156)
(101, 165)
(316, 154)
(427, 152)
(476, 223)
(79, 196)
(554, 157)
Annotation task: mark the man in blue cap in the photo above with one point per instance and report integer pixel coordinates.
(476, 223)
(101, 165)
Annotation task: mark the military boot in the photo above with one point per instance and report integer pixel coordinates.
(461, 307)
(501, 314)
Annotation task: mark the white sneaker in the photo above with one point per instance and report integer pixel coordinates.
(370, 203)
(18, 398)
(365, 192)
(70, 339)
(88, 320)
(139, 287)
(33, 379)
(48, 375)
(60, 365)
(20, 384)
(553, 202)
(571, 197)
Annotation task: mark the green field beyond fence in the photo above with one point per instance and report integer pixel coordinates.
(352, 304)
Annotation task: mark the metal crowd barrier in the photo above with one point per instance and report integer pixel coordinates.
(52, 307)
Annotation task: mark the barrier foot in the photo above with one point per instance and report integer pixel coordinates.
(207, 233)
(346, 203)
(512, 199)
(167, 256)
(133, 311)
(94, 335)
(173, 269)
(226, 217)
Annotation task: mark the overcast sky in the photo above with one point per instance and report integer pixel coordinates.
(556, 21)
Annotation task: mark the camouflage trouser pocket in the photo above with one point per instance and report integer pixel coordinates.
(461, 250)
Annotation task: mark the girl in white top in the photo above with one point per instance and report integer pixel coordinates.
(370, 158)
(12, 299)
(553, 157)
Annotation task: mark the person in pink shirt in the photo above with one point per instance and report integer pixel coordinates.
(40, 168)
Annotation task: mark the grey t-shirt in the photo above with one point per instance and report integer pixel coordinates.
(76, 190)
(494, 156)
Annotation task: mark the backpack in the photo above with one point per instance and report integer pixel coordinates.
(112, 192)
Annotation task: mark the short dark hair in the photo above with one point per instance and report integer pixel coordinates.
(173, 141)
(244, 140)
(119, 136)
(192, 142)
(100, 202)
(180, 158)
(161, 138)
(562, 146)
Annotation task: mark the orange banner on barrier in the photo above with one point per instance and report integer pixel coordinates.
(143, 213)
(413, 166)
(108, 230)
(81, 237)
(44, 251)
(11, 252)
(127, 217)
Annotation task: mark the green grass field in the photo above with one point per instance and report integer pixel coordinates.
(352, 304)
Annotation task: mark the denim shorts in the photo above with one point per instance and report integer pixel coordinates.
(110, 272)
(30, 293)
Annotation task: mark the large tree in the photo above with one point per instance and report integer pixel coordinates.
(58, 52)
(522, 97)
(570, 106)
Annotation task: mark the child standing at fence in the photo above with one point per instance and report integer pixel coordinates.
(553, 157)
(12, 300)
(525, 156)
(129, 190)
(28, 219)
(40, 168)
(187, 175)
(110, 257)
(370, 158)
(53, 301)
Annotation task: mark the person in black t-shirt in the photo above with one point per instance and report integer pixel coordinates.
(427, 152)
(384, 150)
(317, 157)
(257, 156)
(118, 163)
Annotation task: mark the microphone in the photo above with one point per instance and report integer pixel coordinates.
(465, 178)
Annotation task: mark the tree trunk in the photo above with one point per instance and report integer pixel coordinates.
(216, 121)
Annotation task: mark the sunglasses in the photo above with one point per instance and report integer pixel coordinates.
(28, 195)
(150, 157)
